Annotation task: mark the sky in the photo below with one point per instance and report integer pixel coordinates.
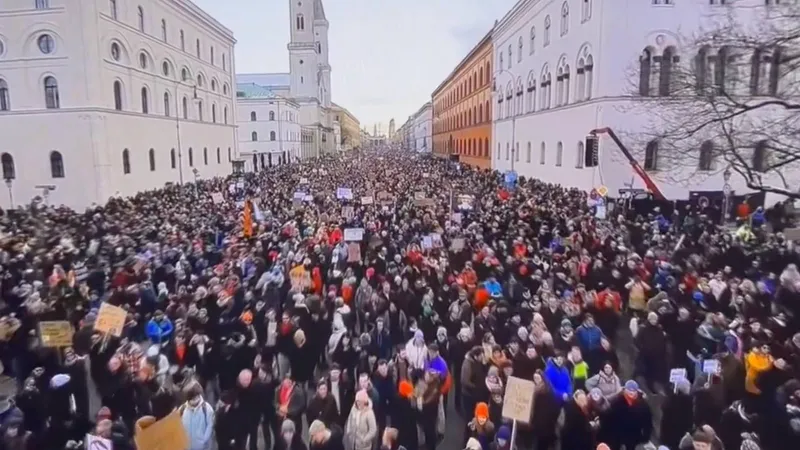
(386, 56)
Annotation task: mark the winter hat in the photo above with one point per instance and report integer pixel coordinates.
(631, 386)
(481, 411)
(316, 426)
(473, 444)
(504, 433)
(288, 426)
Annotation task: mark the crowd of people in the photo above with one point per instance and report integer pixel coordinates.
(379, 299)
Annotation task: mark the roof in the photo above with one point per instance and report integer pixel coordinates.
(252, 90)
(319, 10)
(487, 38)
(264, 79)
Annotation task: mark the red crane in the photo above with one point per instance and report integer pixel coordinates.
(648, 182)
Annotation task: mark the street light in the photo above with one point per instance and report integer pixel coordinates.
(513, 116)
(178, 113)
(9, 184)
(726, 191)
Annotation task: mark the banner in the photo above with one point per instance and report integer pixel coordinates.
(56, 333)
(217, 197)
(353, 234)
(344, 193)
(110, 319)
(166, 434)
(247, 220)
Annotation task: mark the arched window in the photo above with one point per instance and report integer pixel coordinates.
(547, 30)
(197, 47)
(665, 78)
(706, 159)
(508, 151)
(528, 153)
(253, 116)
(272, 115)
(519, 49)
(9, 171)
(230, 157)
(172, 160)
(301, 22)
(219, 156)
(564, 18)
(542, 154)
(760, 157)
(118, 96)
(141, 19)
(271, 135)
(164, 30)
(166, 104)
(581, 156)
(589, 76)
(559, 154)
(51, 98)
(645, 69)
(185, 107)
(214, 113)
(183, 41)
(532, 50)
(126, 162)
(205, 155)
(145, 101)
(112, 8)
(211, 54)
(200, 111)
(701, 69)
(586, 10)
(56, 164)
(253, 136)
(151, 155)
(486, 147)
(191, 157)
(651, 156)
(480, 113)
(5, 100)
(500, 60)
(225, 114)
(510, 56)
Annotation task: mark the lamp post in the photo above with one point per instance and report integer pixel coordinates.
(726, 191)
(513, 115)
(178, 113)
(9, 185)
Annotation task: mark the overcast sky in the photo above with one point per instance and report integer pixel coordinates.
(387, 56)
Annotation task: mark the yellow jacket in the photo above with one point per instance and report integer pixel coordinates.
(755, 364)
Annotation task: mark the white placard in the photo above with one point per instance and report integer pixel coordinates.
(308, 198)
(710, 366)
(344, 193)
(676, 375)
(427, 242)
(353, 234)
(299, 195)
(97, 443)
(303, 180)
(217, 197)
(456, 217)
(368, 200)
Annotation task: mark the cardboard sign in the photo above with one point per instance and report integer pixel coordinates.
(299, 196)
(710, 366)
(465, 202)
(458, 244)
(353, 252)
(97, 443)
(166, 434)
(56, 333)
(427, 242)
(518, 400)
(368, 200)
(419, 195)
(384, 197)
(436, 240)
(110, 320)
(353, 234)
(217, 197)
(344, 193)
(676, 375)
(424, 202)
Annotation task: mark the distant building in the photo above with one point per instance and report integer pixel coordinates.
(351, 127)
(391, 129)
(268, 127)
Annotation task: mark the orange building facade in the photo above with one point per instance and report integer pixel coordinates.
(462, 113)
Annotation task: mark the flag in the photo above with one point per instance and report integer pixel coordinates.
(247, 220)
(257, 212)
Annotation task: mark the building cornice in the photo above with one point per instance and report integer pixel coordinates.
(522, 7)
(267, 100)
(192, 10)
(486, 39)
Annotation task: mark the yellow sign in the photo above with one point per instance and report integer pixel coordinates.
(166, 434)
(57, 333)
(518, 400)
(110, 319)
(602, 191)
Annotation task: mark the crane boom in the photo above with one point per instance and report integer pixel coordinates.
(648, 182)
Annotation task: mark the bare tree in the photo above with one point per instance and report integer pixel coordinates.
(731, 101)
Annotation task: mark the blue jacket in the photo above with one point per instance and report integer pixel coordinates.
(559, 379)
(199, 424)
(758, 218)
(493, 288)
(589, 337)
(159, 332)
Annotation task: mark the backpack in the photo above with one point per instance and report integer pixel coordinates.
(207, 409)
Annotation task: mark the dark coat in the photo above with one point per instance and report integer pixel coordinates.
(577, 433)
(677, 419)
(628, 423)
(323, 409)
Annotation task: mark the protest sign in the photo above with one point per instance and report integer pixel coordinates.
(457, 245)
(303, 180)
(344, 193)
(424, 202)
(367, 200)
(110, 319)
(165, 434)
(217, 197)
(676, 375)
(97, 443)
(299, 195)
(419, 195)
(348, 212)
(518, 399)
(353, 234)
(56, 333)
(427, 242)
(384, 197)
(353, 252)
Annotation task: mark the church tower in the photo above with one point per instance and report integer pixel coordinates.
(321, 43)
(303, 55)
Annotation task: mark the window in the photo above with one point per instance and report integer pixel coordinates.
(272, 136)
(509, 56)
(56, 164)
(200, 80)
(500, 60)
(205, 155)
(200, 111)
(519, 49)
(115, 51)
(588, 77)
(51, 98)
(581, 154)
(300, 22)
(214, 113)
(172, 160)
(498, 150)
(9, 171)
(651, 156)
(224, 62)
(219, 157)
(225, 114)
(229, 155)
(272, 115)
(532, 50)
(112, 7)
(46, 44)
(185, 108)
(225, 88)
(143, 60)
(559, 154)
(197, 47)
(42, 4)
(508, 151)
(191, 157)
(528, 153)
(254, 136)
(645, 68)
(516, 152)
(141, 19)
(151, 155)
(183, 41)
(213, 85)
(547, 30)
(706, 159)
(166, 104)
(542, 153)
(5, 100)
(760, 157)
(564, 18)
(164, 30)
(145, 101)
(665, 75)
(252, 116)
(212, 55)
(126, 162)
(118, 96)
(586, 10)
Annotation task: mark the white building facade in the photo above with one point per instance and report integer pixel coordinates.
(268, 127)
(566, 68)
(422, 129)
(110, 97)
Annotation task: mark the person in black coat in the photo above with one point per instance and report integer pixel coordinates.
(578, 430)
(322, 406)
(226, 421)
(677, 415)
(404, 416)
(289, 439)
(325, 438)
(629, 421)
(302, 359)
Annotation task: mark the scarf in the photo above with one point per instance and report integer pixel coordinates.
(284, 395)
